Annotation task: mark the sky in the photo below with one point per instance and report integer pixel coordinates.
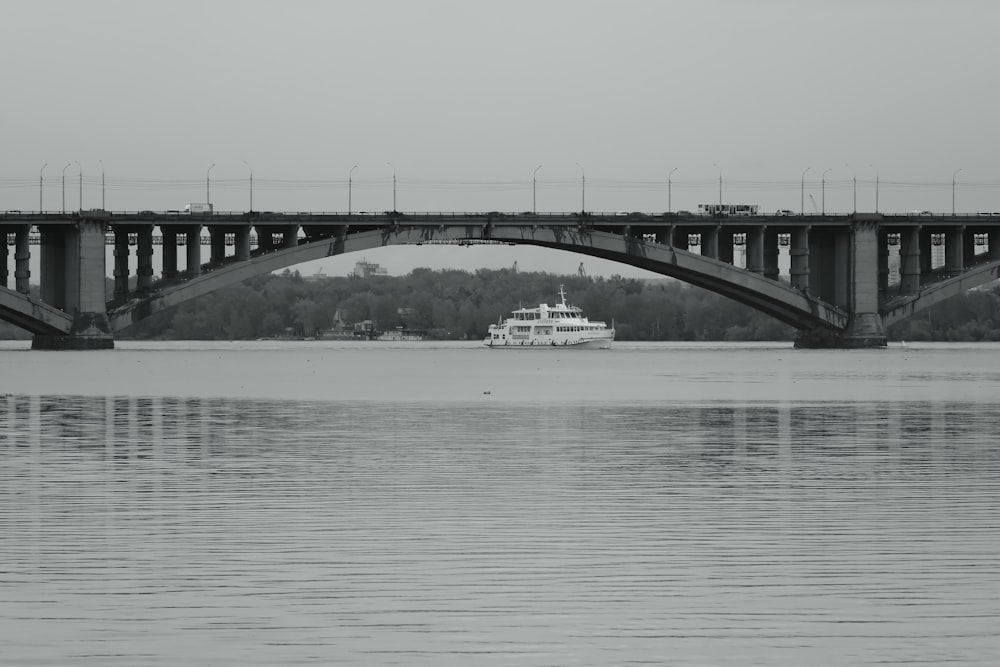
(556, 105)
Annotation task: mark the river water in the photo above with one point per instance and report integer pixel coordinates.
(293, 503)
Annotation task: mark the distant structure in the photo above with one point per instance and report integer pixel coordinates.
(514, 268)
(581, 271)
(366, 269)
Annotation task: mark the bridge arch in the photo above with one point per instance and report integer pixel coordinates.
(33, 315)
(903, 307)
(788, 305)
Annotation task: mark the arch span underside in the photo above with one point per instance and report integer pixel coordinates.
(903, 307)
(774, 298)
(32, 315)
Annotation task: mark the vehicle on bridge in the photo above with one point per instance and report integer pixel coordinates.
(560, 325)
(728, 209)
(198, 208)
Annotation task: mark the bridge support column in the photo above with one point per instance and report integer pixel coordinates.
(83, 290)
(910, 261)
(755, 250)
(218, 244)
(725, 245)
(169, 253)
(710, 243)
(121, 253)
(954, 248)
(192, 244)
(144, 261)
(771, 268)
(243, 244)
(22, 259)
(993, 241)
(799, 256)
(865, 327)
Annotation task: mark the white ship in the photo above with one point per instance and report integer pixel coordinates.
(550, 326)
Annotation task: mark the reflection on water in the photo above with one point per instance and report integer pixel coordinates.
(196, 531)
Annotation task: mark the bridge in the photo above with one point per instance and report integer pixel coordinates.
(849, 276)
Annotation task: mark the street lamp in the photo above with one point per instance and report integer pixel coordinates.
(393, 186)
(534, 182)
(81, 184)
(68, 165)
(350, 185)
(876, 188)
(854, 179)
(583, 188)
(40, 209)
(720, 185)
(208, 184)
(670, 206)
(102, 185)
(251, 184)
(953, 191)
(823, 195)
(802, 193)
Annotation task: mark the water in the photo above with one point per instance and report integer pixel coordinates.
(442, 504)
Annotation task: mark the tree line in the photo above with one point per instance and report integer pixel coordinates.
(460, 305)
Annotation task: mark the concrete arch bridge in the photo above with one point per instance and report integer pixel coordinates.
(848, 277)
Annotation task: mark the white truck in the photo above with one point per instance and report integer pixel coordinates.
(198, 208)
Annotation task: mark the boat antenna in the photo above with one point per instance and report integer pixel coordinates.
(562, 295)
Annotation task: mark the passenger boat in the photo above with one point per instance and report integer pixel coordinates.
(560, 325)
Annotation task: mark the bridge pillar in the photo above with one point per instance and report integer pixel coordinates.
(771, 252)
(710, 243)
(883, 266)
(954, 248)
(169, 253)
(217, 245)
(52, 264)
(243, 243)
(859, 280)
(926, 250)
(993, 244)
(83, 291)
(725, 245)
(4, 272)
(909, 260)
(144, 261)
(22, 259)
(121, 254)
(192, 244)
(755, 250)
(799, 256)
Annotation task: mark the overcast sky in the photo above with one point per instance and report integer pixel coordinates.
(462, 100)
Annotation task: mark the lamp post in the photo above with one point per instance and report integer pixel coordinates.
(802, 193)
(823, 191)
(876, 188)
(68, 165)
(720, 185)
(534, 182)
(670, 205)
(40, 209)
(208, 184)
(854, 180)
(81, 185)
(102, 185)
(393, 186)
(953, 191)
(350, 186)
(583, 188)
(251, 184)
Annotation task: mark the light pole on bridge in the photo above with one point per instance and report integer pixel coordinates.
(68, 165)
(208, 184)
(251, 184)
(854, 180)
(40, 209)
(876, 187)
(102, 185)
(670, 206)
(78, 166)
(720, 184)
(534, 183)
(953, 191)
(350, 185)
(583, 188)
(393, 186)
(802, 193)
(823, 191)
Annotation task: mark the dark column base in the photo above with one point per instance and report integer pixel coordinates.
(864, 331)
(90, 331)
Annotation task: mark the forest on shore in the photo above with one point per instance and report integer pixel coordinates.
(459, 305)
